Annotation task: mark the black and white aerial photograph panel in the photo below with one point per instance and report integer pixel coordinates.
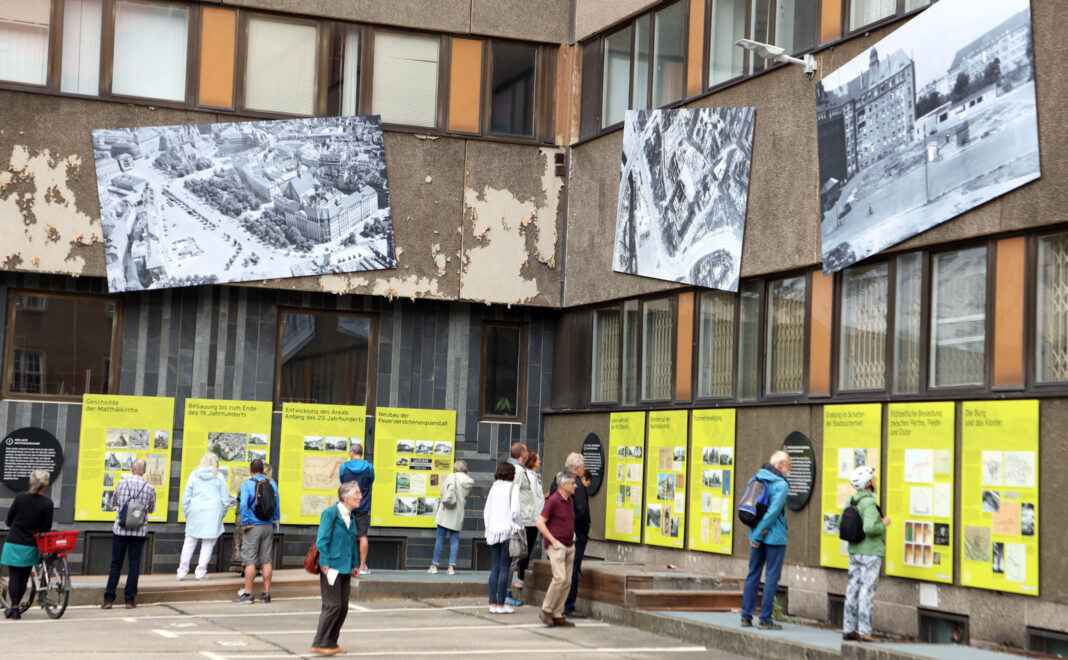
(238, 202)
(934, 120)
(683, 193)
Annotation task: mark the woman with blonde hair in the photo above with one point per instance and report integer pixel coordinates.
(30, 513)
(205, 501)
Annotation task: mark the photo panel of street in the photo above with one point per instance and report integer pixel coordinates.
(238, 202)
(934, 120)
(683, 193)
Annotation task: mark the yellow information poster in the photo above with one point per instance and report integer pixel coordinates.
(712, 480)
(999, 496)
(919, 490)
(626, 445)
(236, 431)
(665, 479)
(852, 436)
(116, 430)
(314, 444)
(413, 455)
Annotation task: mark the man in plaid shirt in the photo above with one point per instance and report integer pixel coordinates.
(128, 542)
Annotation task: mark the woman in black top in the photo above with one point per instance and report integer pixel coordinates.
(30, 513)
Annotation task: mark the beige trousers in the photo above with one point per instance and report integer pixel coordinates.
(561, 561)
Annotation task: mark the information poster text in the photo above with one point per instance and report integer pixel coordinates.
(665, 479)
(626, 450)
(852, 436)
(413, 455)
(712, 480)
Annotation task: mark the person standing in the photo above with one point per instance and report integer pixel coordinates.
(259, 511)
(531, 466)
(501, 518)
(767, 543)
(528, 515)
(363, 473)
(127, 543)
(205, 501)
(30, 513)
(557, 525)
(451, 521)
(865, 558)
(338, 557)
(576, 465)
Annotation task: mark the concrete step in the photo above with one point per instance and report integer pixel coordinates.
(685, 599)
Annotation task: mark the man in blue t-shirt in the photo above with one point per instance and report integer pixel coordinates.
(363, 473)
(257, 542)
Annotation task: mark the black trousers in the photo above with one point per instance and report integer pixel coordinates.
(121, 548)
(17, 577)
(580, 549)
(335, 609)
(524, 562)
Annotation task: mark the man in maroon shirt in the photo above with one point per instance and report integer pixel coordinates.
(557, 525)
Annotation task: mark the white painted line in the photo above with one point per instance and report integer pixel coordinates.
(129, 619)
(211, 656)
(165, 633)
(566, 650)
(358, 608)
(223, 643)
(495, 626)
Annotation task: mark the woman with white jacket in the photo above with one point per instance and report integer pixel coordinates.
(451, 521)
(205, 501)
(502, 517)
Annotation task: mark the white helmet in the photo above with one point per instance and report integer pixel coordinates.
(861, 476)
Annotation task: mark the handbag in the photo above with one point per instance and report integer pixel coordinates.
(517, 544)
(311, 557)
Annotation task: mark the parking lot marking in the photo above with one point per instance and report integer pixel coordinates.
(312, 631)
(165, 633)
(211, 656)
(358, 608)
(607, 650)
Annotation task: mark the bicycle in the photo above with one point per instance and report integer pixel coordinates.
(50, 578)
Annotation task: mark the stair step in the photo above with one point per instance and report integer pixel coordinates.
(690, 599)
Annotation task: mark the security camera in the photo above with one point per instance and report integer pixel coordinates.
(778, 54)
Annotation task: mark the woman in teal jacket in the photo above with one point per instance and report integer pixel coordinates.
(865, 558)
(339, 557)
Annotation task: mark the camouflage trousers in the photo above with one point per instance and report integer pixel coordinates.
(860, 594)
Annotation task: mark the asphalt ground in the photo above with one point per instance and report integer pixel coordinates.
(284, 628)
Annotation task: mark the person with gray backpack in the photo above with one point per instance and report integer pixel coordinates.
(135, 500)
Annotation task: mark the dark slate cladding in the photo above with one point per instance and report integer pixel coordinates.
(220, 342)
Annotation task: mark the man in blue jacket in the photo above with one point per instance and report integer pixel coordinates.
(767, 543)
(363, 473)
(257, 541)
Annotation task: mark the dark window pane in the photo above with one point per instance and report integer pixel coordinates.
(501, 372)
(325, 358)
(70, 362)
(616, 77)
(796, 24)
(590, 121)
(669, 55)
(512, 89)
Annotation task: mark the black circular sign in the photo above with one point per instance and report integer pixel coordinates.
(593, 455)
(25, 450)
(802, 469)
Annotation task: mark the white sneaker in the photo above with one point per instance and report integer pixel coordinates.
(179, 577)
(505, 609)
(451, 571)
(494, 609)
(433, 569)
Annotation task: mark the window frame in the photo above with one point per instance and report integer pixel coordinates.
(806, 345)
(486, 100)
(899, 12)
(325, 32)
(107, 55)
(521, 377)
(372, 350)
(891, 330)
(673, 301)
(619, 308)
(989, 314)
(113, 372)
(735, 348)
(1032, 290)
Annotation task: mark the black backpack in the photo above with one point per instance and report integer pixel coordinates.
(265, 503)
(851, 526)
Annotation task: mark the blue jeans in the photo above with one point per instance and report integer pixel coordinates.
(771, 556)
(439, 545)
(498, 579)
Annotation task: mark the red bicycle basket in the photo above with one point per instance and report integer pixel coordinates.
(57, 541)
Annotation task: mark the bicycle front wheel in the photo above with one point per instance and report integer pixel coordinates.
(56, 596)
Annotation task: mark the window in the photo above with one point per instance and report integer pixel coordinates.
(280, 66)
(24, 41)
(790, 24)
(342, 92)
(862, 335)
(326, 357)
(1051, 310)
(43, 362)
(715, 352)
(865, 12)
(785, 349)
(726, 60)
(503, 371)
(630, 351)
(512, 89)
(405, 78)
(151, 40)
(80, 69)
(958, 318)
(616, 96)
(658, 344)
(748, 340)
(607, 334)
(669, 55)
(908, 288)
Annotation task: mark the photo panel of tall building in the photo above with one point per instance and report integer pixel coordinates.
(238, 202)
(683, 193)
(934, 120)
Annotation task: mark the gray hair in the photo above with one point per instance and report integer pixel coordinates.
(564, 477)
(356, 449)
(39, 480)
(346, 488)
(460, 466)
(778, 457)
(139, 466)
(209, 461)
(573, 461)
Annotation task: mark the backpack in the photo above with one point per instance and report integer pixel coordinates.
(134, 513)
(448, 494)
(754, 502)
(265, 503)
(851, 525)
